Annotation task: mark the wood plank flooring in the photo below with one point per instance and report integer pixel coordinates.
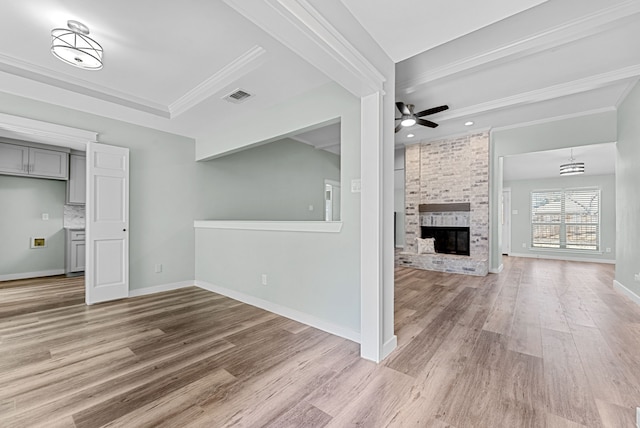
(543, 344)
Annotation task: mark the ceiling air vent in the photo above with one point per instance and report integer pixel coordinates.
(238, 96)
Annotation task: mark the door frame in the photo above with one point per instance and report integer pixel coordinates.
(506, 213)
(36, 131)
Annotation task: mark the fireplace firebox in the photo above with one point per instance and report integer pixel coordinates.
(448, 240)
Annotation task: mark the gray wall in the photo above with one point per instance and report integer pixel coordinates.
(275, 181)
(317, 274)
(23, 201)
(594, 128)
(521, 222)
(627, 184)
(162, 188)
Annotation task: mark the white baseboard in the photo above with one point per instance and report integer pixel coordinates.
(389, 346)
(26, 275)
(624, 290)
(160, 288)
(500, 269)
(283, 311)
(560, 257)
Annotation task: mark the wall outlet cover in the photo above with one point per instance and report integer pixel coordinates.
(264, 279)
(45, 216)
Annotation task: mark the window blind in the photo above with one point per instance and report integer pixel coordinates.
(566, 219)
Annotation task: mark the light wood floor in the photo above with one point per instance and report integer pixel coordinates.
(545, 343)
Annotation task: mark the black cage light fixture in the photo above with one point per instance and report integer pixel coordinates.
(573, 167)
(74, 46)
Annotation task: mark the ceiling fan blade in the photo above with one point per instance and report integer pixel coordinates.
(403, 108)
(398, 128)
(433, 110)
(428, 123)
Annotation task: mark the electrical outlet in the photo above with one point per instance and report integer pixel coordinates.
(158, 268)
(45, 216)
(636, 277)
(264, 279)
(608, 250)
(310, 207)
(524, 245)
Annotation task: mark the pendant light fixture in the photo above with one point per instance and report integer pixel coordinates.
(573, 167)
(74, 46)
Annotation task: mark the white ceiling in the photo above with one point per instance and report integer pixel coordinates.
(599, 159)
(324, 138)
(562, 57)
(409, 27)
(168, 64)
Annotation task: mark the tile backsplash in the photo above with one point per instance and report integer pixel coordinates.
(74, 216)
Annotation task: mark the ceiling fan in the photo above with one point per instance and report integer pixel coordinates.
(409, 118)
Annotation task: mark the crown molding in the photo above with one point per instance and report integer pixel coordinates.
(300, 27)
(22, 128)
(245, 63)
(320, 146)
(60, 80)
(538, 95)
(626, 92)
(571, 31)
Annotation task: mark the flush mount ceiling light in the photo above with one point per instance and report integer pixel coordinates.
(74, 46)
(573, 167)
(469, 123)
(410, 135)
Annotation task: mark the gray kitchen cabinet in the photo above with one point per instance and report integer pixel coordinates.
(75, 251)
(77, 184)
(39, 162)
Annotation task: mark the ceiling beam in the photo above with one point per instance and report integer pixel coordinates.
(570, 31)
(556, 91)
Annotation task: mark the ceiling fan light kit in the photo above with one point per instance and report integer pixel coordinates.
(572, 168)
(409, 118)
(74, 46)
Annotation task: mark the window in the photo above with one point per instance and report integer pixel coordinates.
(566, 219)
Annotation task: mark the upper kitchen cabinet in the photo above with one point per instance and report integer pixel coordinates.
(16, 159)
(77, 184)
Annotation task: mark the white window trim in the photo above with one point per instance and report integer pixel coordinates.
(563, 224)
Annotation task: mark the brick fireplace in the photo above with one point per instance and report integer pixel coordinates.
(447, 198)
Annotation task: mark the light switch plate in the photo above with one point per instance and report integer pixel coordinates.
(45, 216)
(356, 185)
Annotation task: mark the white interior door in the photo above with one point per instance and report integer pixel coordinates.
(107, 225)
(506, 221)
